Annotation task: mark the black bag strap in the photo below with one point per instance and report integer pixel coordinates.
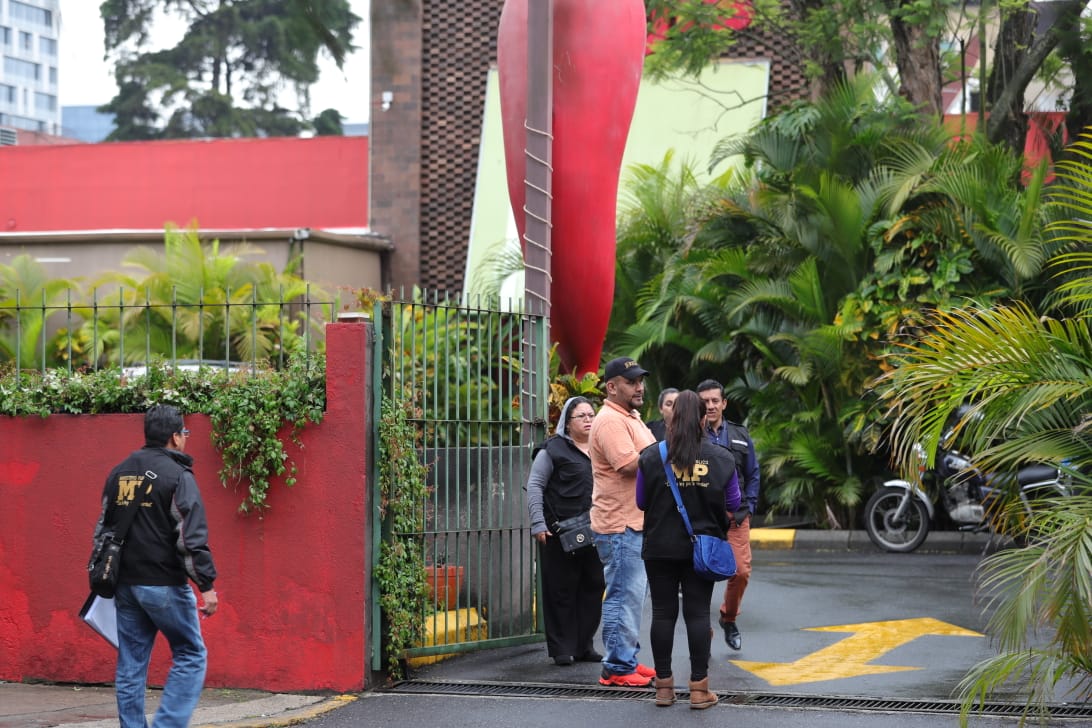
(675, 489)
(127, 517)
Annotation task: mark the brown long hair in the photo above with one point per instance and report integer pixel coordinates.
(684, 433)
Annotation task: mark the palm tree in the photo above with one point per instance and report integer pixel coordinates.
(658, 229)
(1027, 376)
(757, 296)
(1044, 585)
(979, 195)
(194, 301)
(28, 299)
(790, 280)
(1029, 379)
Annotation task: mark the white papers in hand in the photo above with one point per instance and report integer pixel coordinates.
(101, 615)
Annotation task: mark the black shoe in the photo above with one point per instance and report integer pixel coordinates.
(732, 635)
(563, 660)
(590, 656)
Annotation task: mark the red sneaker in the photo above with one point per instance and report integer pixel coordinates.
(632, 680)
(645, 670)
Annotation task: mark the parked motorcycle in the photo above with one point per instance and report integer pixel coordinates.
(899, 514)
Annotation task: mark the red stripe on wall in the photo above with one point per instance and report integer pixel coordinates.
(222, 183)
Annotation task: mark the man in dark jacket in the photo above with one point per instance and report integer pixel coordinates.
(166, 546)
(736, 438)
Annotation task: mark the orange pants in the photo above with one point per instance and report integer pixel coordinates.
(739, 536)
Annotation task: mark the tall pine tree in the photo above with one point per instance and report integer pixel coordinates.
(230, 73)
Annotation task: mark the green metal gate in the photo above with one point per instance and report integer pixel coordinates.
(476, 380)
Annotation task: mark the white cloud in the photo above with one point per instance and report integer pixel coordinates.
(84, 78)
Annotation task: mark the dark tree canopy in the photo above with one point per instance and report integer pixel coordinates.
(904, 41)
(328, 123)
(231, 71)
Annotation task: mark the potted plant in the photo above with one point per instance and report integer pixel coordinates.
(445, 582)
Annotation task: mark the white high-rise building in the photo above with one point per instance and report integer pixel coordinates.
(29, 30)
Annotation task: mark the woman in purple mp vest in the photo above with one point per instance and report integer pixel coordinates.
(709, 488)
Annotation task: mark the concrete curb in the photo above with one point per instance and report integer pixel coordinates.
(280, 712)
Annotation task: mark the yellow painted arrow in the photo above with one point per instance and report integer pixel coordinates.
(850, 657)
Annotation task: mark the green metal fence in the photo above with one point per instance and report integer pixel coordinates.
(133, 328)
(476, 379)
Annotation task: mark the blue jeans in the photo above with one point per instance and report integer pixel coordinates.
(144, 611)
(627, 583)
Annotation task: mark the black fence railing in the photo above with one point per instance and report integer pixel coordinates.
(133, 329)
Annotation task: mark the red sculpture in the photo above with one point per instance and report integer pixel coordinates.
(598, 50)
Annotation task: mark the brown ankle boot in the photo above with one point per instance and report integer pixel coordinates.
(700, 697)
(665, 691)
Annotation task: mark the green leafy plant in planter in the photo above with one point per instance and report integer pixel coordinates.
(400, 572)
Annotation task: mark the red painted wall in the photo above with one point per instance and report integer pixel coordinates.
(224, 183)
(292, 583)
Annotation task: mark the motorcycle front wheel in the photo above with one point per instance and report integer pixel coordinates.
(891, 532)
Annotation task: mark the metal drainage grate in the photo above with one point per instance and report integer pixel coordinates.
(517, 690)
(554, 690)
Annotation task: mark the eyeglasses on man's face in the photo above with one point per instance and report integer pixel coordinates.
(184, 432)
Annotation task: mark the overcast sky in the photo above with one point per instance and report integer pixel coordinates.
(84, 78)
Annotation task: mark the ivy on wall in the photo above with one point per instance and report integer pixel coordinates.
(400, 571)
(248, 410)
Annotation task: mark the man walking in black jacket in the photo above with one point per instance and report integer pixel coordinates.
(165, 548)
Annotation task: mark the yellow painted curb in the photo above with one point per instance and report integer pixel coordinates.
(774, 538)
(291, 717)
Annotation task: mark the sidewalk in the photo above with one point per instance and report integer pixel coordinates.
(24, 705)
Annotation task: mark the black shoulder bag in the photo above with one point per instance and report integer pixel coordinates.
(575, 533)
(105, 564)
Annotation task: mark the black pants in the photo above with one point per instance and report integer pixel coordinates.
(572, 598)
(665, 579)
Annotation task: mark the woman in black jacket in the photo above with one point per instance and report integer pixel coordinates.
(709, 488)
(560, 487)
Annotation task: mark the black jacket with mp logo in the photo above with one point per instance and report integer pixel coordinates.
(168, 540)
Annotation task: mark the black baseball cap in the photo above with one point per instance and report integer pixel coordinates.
(623, 366)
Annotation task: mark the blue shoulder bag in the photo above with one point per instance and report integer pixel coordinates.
(713, 557)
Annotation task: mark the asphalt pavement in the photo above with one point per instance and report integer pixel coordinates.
(24, 705)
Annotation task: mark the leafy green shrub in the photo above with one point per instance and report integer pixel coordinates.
(400, 572)
(248, 415)
(458, 362)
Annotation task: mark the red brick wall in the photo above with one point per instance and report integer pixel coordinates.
(395, 182)
(787, 83)
(434, 56)
(293, 582)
